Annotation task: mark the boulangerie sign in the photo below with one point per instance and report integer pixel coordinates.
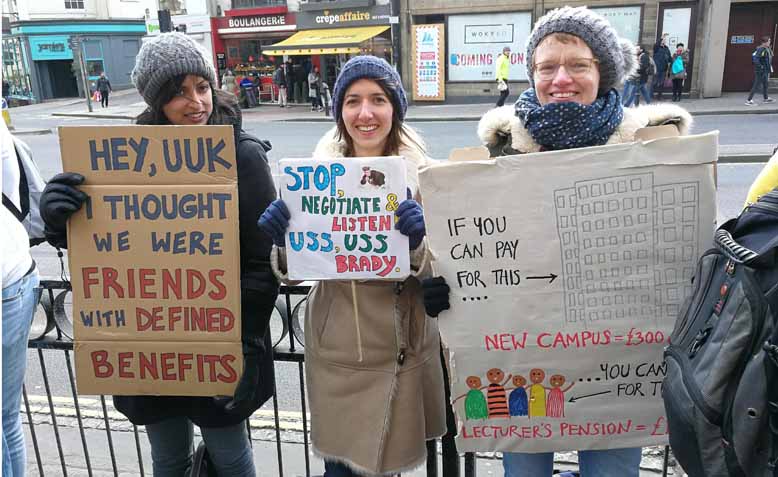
(154, 260)
(343, 217)
(567, 271)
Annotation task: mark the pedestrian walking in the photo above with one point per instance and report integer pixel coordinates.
(639, 81)
(501, 73)
(662, 58)
(314, 89)
(279, 79)
(104, 87)
(678, 66)
(229, 84)
(576, 60)
(289, 79)
(762, 59)
(19, 279)
(178, 83)
(370, 417)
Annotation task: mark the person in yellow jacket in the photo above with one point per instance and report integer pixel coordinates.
(503, 64)
(766, 181)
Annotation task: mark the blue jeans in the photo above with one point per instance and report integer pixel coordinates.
(171, 441)
(19, 301)
(336, 469)
(592, 463)
(631, 90)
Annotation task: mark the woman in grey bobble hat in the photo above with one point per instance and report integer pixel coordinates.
(575, 62)
(176, 79)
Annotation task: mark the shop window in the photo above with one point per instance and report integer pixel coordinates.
(176, 7)
(256, 3)
(94, 67)
(74, 4)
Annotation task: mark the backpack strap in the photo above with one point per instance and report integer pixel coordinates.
(24, 194)
(771, 374)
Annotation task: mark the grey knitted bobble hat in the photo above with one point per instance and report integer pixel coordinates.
(368, 67)
(617, 56)
(167, 56)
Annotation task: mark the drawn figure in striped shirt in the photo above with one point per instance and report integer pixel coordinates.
(517, 401)
(496, 398)
(537, 393)
(555, 407)
(475, 402)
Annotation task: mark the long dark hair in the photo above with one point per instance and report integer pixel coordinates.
(398, 136)
(225, 106)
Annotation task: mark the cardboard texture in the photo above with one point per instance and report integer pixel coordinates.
(343, 217)
(567, 271)
(155, 260)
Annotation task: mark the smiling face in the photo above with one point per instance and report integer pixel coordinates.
(495, 375)
(537, 375)
(367, 116)
(556, 381)
(473, 382)
(562, 87)
(192, 105)
(519, 381)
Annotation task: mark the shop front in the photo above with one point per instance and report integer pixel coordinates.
(239, 39)
(43, 65)
(331, 34)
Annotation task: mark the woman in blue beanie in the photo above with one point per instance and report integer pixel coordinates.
(576, 62)
(178, 83)
(370, 417)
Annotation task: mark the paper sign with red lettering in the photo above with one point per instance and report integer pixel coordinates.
(154, 260)
(342, 224)
(567, 271)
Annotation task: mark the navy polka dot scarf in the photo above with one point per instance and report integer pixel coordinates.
(570, 125)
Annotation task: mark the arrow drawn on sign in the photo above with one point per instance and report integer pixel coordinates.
(550, 277)
(576, 398)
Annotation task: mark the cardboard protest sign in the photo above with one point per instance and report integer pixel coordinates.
(567, 271)
(342, 224)
(155, 260)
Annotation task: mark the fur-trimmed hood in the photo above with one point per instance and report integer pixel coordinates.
(502, 132)
(416, 157)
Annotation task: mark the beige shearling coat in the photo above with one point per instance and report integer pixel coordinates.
(501, 131)
(374, 415)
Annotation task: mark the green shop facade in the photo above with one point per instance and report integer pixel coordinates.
(39, 64)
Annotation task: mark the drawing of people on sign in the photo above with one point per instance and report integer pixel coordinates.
(496, 398)
(517, 401)
(555, 405)
(475, 402)
(537, 393)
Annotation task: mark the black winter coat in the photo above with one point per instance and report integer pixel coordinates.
(255, 192)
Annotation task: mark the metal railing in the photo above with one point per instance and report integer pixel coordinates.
(52, 334)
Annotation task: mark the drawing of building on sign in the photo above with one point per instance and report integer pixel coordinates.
(627, 247)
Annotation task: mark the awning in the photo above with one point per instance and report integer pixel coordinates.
(324, 42)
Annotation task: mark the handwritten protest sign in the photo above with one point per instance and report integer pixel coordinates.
(567, 271)
(154, 260)
(342, 224)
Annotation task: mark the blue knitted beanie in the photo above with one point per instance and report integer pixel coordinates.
(369, 67)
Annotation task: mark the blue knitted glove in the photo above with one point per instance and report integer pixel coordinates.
(274, 221)
(411, 221)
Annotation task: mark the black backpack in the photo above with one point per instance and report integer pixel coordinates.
(720, 391)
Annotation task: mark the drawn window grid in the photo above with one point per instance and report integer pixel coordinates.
(599, 200)
(565, 201)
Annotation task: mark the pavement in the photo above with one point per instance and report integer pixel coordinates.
(65, 451)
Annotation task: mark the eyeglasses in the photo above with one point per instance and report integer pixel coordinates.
(575, 67)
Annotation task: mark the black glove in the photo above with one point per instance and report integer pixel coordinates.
(436, 293)
(60, 200)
